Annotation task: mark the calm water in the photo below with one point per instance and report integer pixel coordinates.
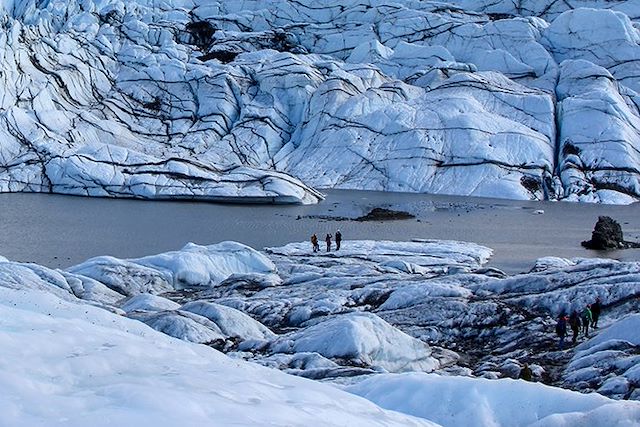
(59, 231)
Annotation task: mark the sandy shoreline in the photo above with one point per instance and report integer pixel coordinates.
(59, 231)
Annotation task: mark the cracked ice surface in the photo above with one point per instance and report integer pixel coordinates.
(373, 306)
(352, 316)
(600, 133)
(546, 9)
(264, 100)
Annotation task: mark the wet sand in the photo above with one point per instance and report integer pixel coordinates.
(59, 231)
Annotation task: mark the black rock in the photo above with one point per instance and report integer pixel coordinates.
(607, 234)
(224, 56)
(380, 214)
(201, 33)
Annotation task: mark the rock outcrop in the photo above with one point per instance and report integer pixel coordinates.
(607, 234)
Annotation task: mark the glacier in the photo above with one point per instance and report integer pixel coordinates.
(422, 329)
(267, 101)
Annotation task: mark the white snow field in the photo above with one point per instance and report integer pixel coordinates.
(65, 363)
(265, 100)
(83, 346)
(493, 402)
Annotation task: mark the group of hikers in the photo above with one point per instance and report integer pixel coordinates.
(327, 239)
(577, 321)
(588, 316)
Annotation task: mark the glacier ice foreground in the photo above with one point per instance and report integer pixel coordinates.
(266, 100)
(421, 327)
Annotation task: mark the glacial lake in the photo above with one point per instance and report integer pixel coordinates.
(59, 231)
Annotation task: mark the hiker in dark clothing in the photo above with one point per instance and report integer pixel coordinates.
(595, 312)
(314, 242)
(328, 240)
(561, 329)
(526, 373)
(338, 239)
(574, 322)
(586, 320)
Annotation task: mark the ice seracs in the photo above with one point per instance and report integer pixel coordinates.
(264, 101)
(599, 136)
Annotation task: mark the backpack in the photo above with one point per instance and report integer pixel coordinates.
(561, 327)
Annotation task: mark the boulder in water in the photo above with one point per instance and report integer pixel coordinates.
(607, 234)
(381, 214)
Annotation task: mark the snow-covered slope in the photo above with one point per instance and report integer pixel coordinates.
(609, 362)
(70, 364)
(263, 100)
(494, 403)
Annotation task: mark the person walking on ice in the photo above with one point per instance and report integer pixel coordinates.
(596, 307)
(328, 240)
(586, 319)
(574, 322)
(561, 329)
(314, 242)
(338, 239)
(526, 373)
